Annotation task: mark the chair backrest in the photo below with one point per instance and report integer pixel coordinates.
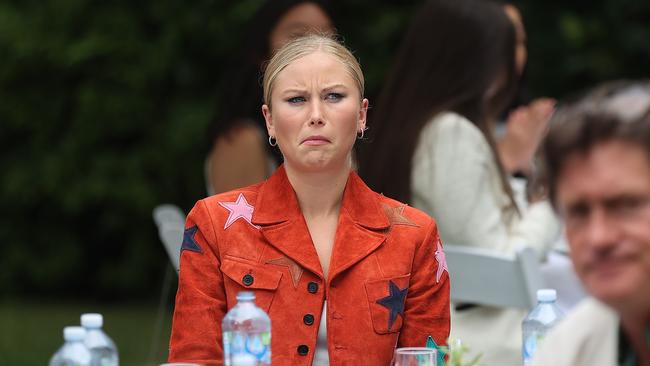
(170, 221)
(480, 276)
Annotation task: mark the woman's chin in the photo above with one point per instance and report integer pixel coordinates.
(320, 164)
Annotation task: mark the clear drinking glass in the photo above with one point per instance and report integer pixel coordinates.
(415, 356)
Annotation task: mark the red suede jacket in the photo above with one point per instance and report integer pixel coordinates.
(256, 239)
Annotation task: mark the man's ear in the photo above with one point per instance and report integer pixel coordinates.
(270, 128)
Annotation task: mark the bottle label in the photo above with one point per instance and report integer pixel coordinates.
(246, 348)
(531, 342)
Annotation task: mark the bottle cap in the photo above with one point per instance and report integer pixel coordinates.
(71, 334)
(546, 294)
(245, 296)
(92, 320)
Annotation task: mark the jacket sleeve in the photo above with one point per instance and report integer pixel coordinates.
(426, 311)
(200, 298)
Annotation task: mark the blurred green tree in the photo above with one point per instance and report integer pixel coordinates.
(576, 44)
(104, 107)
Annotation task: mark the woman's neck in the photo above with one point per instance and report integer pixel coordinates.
(319, 193)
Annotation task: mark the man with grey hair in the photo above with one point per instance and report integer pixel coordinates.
(597, 157)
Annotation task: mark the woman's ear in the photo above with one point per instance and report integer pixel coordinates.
(363, 113)
(266, 111)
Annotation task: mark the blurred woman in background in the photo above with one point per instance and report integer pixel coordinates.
(240, 154)
(526, 120)
(433, 145)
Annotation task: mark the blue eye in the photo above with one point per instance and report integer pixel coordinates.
(334, 97)
(295, 100)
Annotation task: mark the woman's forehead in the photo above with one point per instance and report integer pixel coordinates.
(317, 66)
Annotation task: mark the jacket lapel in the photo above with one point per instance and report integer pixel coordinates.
(278, 214)
(362, 226)
(361, 229)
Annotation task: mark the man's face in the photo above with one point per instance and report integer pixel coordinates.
(604, 196)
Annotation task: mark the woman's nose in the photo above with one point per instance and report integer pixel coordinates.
(316, 113)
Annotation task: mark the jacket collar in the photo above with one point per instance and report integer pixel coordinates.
(361, 228)
(277, 202)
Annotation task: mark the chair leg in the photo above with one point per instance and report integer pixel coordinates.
(153, 358)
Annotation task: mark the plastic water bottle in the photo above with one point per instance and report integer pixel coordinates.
(102, 349)
(246, 333)
(539, 321)
(73, 352)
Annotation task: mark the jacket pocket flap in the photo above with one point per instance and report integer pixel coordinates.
(386, 299)
(253, 276)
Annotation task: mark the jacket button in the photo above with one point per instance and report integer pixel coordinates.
(308, 319)
(247, 280)
(303, 350)
(312, 287)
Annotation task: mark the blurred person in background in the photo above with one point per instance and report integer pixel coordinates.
(597, 158)
(313, 242)
(527, 122)
(433, 145)
(240, 154)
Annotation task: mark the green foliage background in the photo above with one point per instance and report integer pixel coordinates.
(104, 108)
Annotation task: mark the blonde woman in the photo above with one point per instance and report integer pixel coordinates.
(344, 273)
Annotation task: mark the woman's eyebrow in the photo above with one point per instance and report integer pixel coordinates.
(292, 90)
(335, 86)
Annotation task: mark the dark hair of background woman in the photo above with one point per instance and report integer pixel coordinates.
(240, 92)
(450, 57)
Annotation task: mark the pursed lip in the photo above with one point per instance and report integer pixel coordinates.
(315, 140)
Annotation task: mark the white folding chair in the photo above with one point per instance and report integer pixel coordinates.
(480, 276)
(170, 221)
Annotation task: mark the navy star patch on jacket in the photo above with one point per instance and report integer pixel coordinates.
(189, 242)
(394, 302)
